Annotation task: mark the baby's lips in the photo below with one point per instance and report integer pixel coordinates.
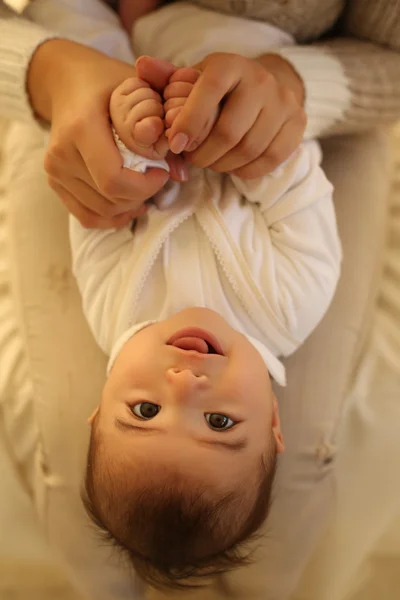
(191, 343)
(195, 338)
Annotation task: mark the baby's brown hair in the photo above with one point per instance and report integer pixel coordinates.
(175, 535)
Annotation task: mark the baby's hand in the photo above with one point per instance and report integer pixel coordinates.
(176, 95)
(137, 113)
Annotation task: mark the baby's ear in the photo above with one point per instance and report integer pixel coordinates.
(93, 416)
(276, 427)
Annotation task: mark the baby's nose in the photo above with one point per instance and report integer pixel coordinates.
(186, 380)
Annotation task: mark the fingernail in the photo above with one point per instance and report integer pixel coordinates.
(183, 173)
(178, 143)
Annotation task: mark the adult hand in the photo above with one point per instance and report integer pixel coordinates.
(70, 85)
(261, 121)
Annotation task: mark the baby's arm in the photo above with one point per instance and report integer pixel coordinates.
(288, 237)
(98, 258)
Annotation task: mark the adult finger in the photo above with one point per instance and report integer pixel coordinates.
(170, 117)
(179, 169)
(211, 87)
(61, 158)
(155, 71)
(180, 89)
(238, 116)
(173, 103)
(84, 215)
(187, 74)
(280, 149)
(96, 203)
(104, 163)
(87, 196)
(251, 146)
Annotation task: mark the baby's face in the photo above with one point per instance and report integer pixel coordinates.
(192, 392)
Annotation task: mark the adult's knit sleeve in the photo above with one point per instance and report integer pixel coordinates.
(19, 39)
(91, 23)
(352, 82)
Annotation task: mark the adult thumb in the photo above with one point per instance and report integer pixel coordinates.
(155, 71)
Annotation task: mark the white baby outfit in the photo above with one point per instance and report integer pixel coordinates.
(264, 253)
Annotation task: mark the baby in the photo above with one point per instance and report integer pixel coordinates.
(193, 304)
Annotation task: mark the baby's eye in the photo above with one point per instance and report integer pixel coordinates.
(145, 410)
(217, 421)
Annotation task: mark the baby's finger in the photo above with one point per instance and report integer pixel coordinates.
(132, 84)
(148, 130)
(144, 110)
(126, 102)
(142, 126)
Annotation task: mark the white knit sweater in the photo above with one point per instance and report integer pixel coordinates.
(352, 77)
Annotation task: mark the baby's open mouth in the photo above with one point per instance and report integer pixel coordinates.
(199, 340)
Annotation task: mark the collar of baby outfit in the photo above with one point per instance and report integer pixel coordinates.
(274, 366)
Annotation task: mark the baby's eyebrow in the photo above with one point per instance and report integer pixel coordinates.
(232, 445)
(125, 426)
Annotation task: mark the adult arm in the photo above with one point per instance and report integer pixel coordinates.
(70, 84)
(352, 82)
